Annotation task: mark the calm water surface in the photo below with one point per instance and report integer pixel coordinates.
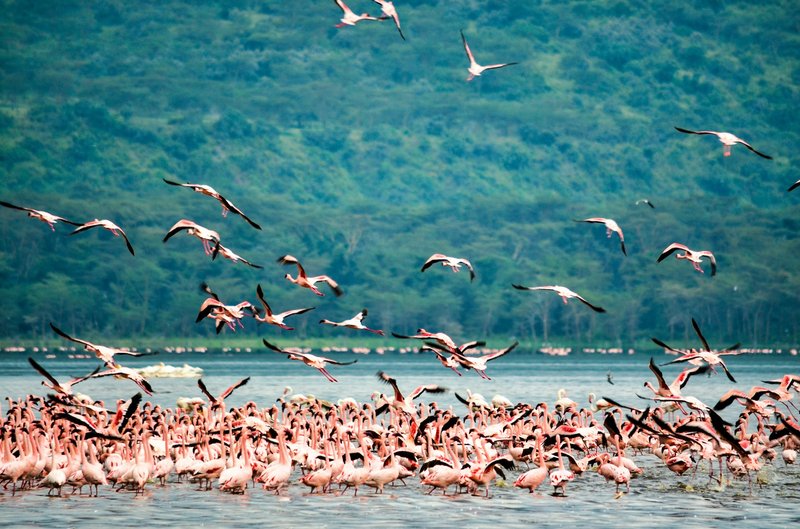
(656, 498)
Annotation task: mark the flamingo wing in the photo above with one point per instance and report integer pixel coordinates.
(670, 249)
(433, 259)
(687, 131)
(61, 333)
(742, 142)
(230, 390)
(430, 388)
(205, 391)
(42, 371)
(791, 187)
(467, 50)
(593, 307)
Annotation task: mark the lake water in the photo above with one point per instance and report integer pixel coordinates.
(657, 498)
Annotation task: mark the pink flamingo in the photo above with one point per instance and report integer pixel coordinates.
(728, 140)
(611, 227)
(565, 294)
(209, 191)
(272, 318)
(454, 263)
(43, 216)
(356, 322)
(476, 69)
(107, 224)
(308, 282)
(317, 362)
(692, 256)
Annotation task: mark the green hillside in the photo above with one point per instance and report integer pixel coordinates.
(363, 154)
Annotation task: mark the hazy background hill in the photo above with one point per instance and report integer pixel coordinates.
(362, 154)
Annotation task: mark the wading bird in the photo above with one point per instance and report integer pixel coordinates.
(692, 256)
(44, 216)
(565, 294)
(107, 224)
(209, 191)
(728, 140)
(454, 263)
(308, 282)
(476, 69)
(611, 227)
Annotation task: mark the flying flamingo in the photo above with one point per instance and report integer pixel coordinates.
(476, 69)
(645, 201)
(791, 187)
(389, 11)
(479, 363)
(106, 354)
(204, 234)
(454, 263)
(728, 140)
(219, 401)
(439, 337)
(611, 227)
(349, 18)
(227, 253)
(356, 322)
(43, 216)
(404, 403)
(308, 282)
(565, 294)
(694, 257)
(107, 224)
(317, 362)
(130, 374)
(270, 317)
(62, 388)
(209, 191)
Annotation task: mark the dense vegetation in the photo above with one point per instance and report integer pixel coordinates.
(362, 154)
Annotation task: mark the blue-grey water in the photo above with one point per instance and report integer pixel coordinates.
(657, 498)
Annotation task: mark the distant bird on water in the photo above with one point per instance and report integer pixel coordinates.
(476, 69)
(44, 216)
(107, 224)
(388, 9)
(565, 294)
(209, 191)
(308, 282)
(454, 263)
(728, 140)
(694, 257)
(611, 227)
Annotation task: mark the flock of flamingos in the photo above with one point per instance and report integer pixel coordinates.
(65, 442)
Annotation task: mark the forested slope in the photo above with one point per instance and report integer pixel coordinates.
(362, 154)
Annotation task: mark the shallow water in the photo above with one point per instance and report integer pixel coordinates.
(657, 498)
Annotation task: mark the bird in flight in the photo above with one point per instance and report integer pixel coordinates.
(44, 216)
(317, 362)
(476, 69)
(728, 140)
(349, 18)
(611, 227)
(209, 191)
(454, 263)
(389, 11)
(565, 294)
(692, 256)
(356, 322)
(308, 282)
(107, 224)
(645, 201)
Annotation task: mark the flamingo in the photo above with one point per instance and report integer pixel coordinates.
(791, 187)
(209, 191)
(389, 11)
(476, 69)
(276, 475)
(561, 476)
(106, 354)
(534, 477)
(694, 257)
(107, 224)
(272, 318)
(349, 18)
(308, 282)
(611, 227)
(204, 234)
(565, 294)
(439, 337)
(728, 140)
(645, 201)
(62, 388)
(130, 374)
(479, 363)
(454, 263)
(227, 253)
(317, 362)
(219, 401)
(404, 403)
(356, 322)
(43, 216)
